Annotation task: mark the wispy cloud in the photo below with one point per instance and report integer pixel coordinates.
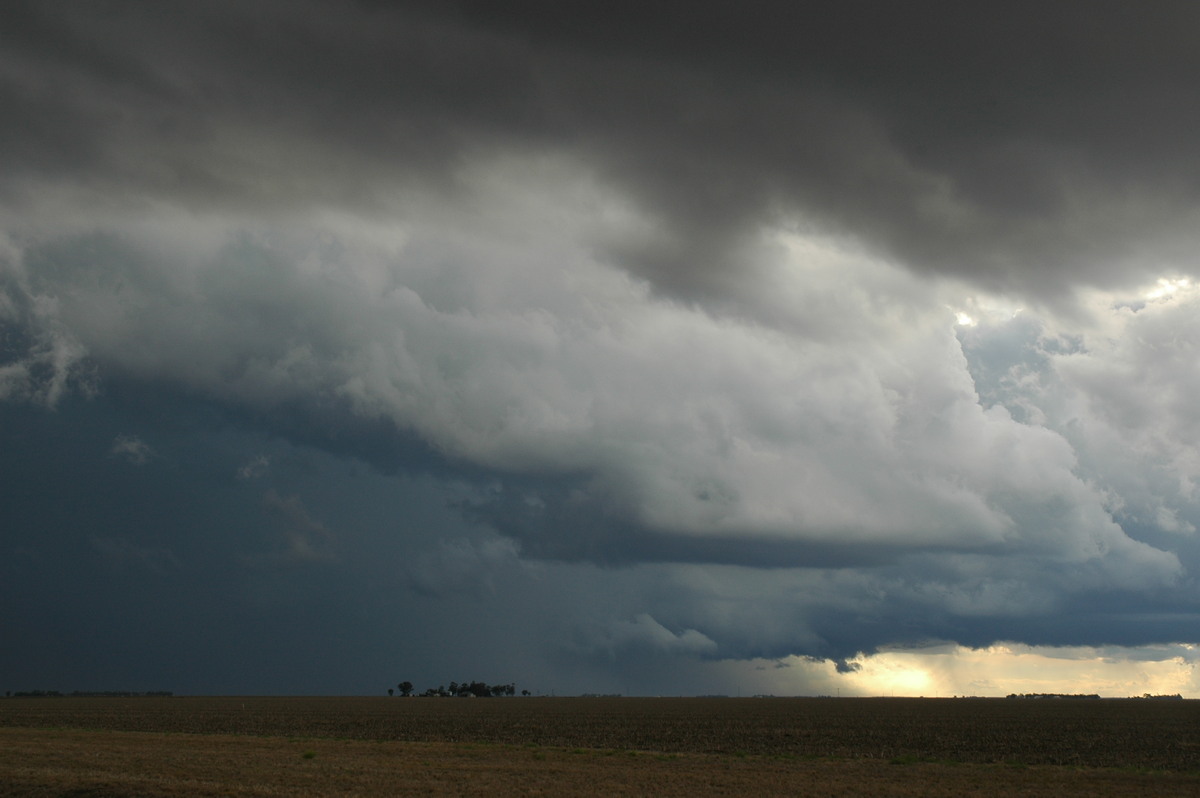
(254, 468)
(306, 540)
(131, 449)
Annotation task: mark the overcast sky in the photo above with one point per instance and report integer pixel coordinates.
(600, 347)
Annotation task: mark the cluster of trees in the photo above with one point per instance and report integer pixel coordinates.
(460, 690)
(1175, 697)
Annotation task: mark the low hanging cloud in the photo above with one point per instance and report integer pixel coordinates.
(645, 633)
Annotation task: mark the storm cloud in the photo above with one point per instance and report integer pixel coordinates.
(682, 334)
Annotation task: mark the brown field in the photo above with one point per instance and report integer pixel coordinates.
(587, 746)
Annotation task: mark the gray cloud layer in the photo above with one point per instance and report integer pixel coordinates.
(1028, 147)
(670, 292)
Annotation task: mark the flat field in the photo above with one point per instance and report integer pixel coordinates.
(589, 746)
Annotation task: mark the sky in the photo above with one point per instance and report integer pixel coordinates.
(645, 348)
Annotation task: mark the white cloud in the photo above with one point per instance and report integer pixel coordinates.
(40, 358)
(132, 449)
(1117, 384)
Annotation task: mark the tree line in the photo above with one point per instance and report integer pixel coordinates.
(1053, 695)
(86, 694)
(459, 690)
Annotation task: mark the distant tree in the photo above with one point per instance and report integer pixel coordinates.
(470, 689)
(390, 691)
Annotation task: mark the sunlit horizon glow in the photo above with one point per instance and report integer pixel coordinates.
(949, 670)
(999, 670)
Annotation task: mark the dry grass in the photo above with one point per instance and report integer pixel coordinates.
(305, 746)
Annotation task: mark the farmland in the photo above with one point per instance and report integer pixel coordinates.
(264, 746)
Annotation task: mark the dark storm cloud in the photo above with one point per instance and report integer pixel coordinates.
(582, 427)
(621, 336)
(177, 575)
(1024, 145)
(1008, 143)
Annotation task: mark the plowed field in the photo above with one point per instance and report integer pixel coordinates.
(576, 746)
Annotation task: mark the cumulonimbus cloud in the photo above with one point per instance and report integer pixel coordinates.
(676, 300)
